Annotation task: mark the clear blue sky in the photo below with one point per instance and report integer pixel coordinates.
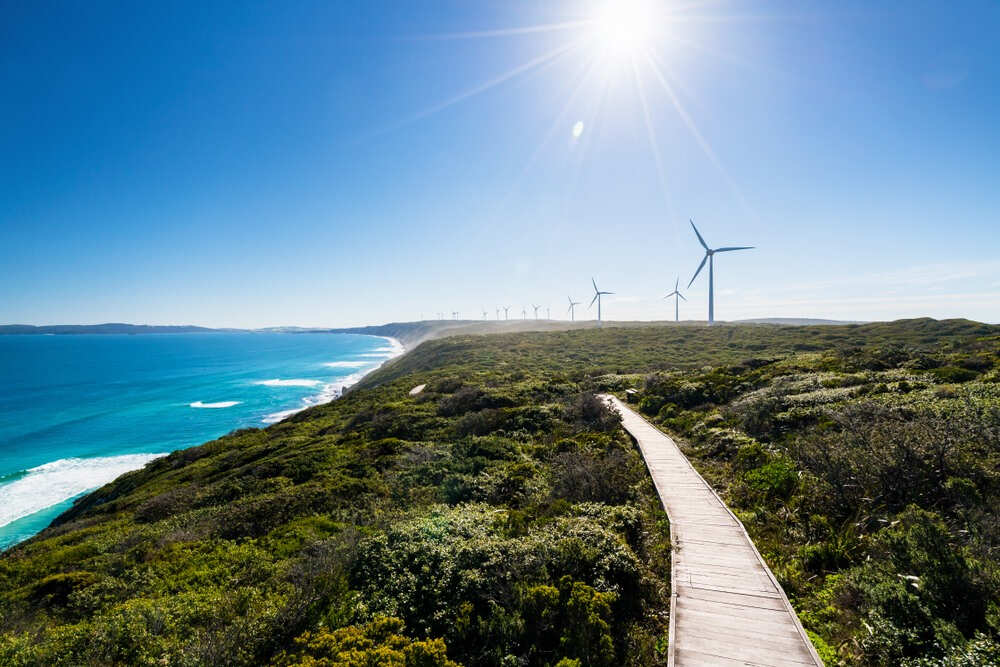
(335, 163)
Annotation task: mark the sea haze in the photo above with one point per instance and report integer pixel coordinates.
(77, 411)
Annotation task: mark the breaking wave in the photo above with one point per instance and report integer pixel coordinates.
(36, 489)
(220, 404)
(289, 383)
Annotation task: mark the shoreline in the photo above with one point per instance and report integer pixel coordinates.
(331, 391)
(85, 466)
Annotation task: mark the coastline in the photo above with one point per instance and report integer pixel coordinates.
(331, 391)
(69, 478)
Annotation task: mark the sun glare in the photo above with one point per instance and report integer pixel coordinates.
(624, 27)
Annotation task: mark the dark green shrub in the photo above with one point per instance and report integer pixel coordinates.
(953, 375)
(774, 480)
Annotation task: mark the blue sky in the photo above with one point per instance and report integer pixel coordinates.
(254, 164)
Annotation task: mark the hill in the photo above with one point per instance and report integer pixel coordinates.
(500, 516)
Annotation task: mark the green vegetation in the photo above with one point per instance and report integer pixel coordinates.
(501, 516)
(869, 478)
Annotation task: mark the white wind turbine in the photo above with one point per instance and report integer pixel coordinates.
(676, 294)
(597, 297)
(572, 305)
(536, 310)
(709, 257)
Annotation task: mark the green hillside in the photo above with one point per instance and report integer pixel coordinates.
(501, 517)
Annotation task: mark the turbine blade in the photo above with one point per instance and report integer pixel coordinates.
(700, 267)
(677, 283)
(606, 292)
(682, 296)
(698, 234)
(595, 284)
(743, 247)
(594, 299)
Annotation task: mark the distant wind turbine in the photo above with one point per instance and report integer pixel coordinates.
(572, 305)
(536, 310)
(506, 315)
(676, 294)
(454, 314)
(548, 313)
(597, 297)
(498, 313)
(524, 313)
(709, 257)
(485, 314)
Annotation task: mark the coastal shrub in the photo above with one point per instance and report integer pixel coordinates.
(571, 622)
(379, 642)
(441, 573)
(580, 476)
(469, 399)
(774, 480)
(953, 374)
(587, 412)
(480, 423)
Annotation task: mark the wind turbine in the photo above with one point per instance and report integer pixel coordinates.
(536, 310)
(506, 316)
(548, 313)
(524, 313)
(597, 298)
(498, 313)
(676, 294)
(572, 305)
(454, 314)
(485, 314)
(709, 257)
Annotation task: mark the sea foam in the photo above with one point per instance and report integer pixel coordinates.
(346, 364)
(289, 383)
(52, 483)
(333, 390)
(220, 404)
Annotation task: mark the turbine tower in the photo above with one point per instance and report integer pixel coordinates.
(572, 305)
(536, 310)
(676, 294)
(597, 298)
(709, 257)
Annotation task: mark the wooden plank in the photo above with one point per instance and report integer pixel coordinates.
(762, 601)
(726, 606)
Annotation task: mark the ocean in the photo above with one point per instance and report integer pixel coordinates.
(77, 411)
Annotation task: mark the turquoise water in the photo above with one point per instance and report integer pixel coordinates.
(77, 411)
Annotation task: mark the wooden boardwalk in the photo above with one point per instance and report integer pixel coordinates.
(726, 606)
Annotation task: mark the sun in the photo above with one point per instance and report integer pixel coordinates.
(622, 28)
